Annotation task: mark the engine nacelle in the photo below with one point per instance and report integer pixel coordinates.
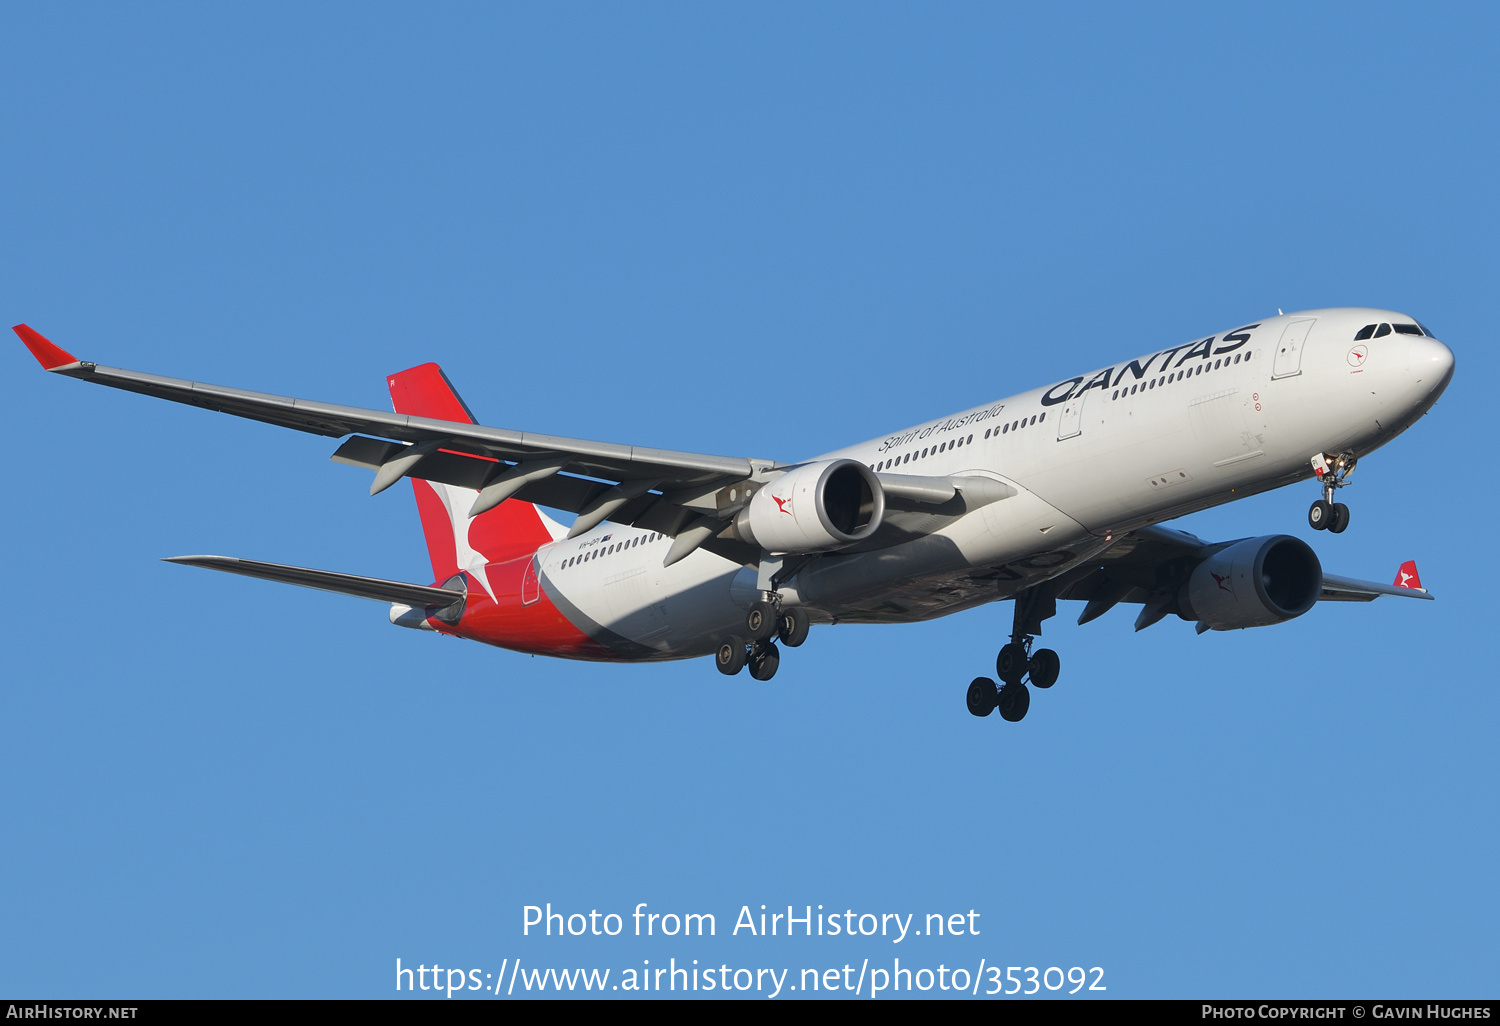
(815, 507)
(1253, 583)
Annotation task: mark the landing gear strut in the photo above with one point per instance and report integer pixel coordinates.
(1017, 663)
(1333, 473)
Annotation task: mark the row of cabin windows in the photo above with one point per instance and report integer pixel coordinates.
(1016, 425)
(931, 450)
(1191, 372)
(631, 543)
(1382, 330)
(934, 450)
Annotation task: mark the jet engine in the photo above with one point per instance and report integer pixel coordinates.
(1253, 583)
(814, 507)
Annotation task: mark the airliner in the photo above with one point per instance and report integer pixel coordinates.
(1054, 494)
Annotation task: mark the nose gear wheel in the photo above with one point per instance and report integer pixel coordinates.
(1332, 473)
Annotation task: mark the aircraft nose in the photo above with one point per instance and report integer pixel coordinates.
(1430, 364)
(1419, 374)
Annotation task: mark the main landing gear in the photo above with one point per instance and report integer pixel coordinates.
(764, 624)
(1333, 473)
(1017, 663)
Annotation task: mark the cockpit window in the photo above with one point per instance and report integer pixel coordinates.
(1426, 330)
(1364, 333)
(1408, 329)
(1382, 331)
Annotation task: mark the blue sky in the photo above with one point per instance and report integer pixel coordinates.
(766, 231)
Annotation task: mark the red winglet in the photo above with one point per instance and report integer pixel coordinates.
(47, 354)
(1407, 577)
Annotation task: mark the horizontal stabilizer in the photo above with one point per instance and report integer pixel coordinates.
(416, 595)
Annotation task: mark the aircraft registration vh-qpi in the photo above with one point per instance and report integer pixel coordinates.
(1055, 493)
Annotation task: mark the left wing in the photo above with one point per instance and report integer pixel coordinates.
(1348, 589)
(1150, 565)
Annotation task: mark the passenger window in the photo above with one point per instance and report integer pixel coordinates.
(1364, 333)
(1382, 331)
(1042, 417)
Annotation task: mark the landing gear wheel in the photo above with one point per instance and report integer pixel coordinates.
(982, 696)
(1015, 699)
(730, 657)
(760, 622)
(1340, 519)
(1320, 514)
(792, 627)
(764, 660)
(1045, 667)
(1010, 664)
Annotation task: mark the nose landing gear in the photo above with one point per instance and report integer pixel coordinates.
(1017, 663)
(1332, 473)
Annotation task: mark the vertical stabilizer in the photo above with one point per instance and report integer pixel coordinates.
(454, 541)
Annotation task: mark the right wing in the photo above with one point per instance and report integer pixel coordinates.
(658, 489)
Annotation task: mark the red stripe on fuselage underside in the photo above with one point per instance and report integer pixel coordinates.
(509, 621)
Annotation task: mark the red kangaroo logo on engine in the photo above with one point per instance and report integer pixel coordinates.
(1229, 587)
(781, 505)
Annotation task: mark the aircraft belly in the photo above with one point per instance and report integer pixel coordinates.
(644, 611)
(979, 558)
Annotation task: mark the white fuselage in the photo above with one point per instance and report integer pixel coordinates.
(1089, 457)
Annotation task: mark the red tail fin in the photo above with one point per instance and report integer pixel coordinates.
(454, 541)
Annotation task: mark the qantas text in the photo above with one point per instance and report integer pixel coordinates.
(1108, 378)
